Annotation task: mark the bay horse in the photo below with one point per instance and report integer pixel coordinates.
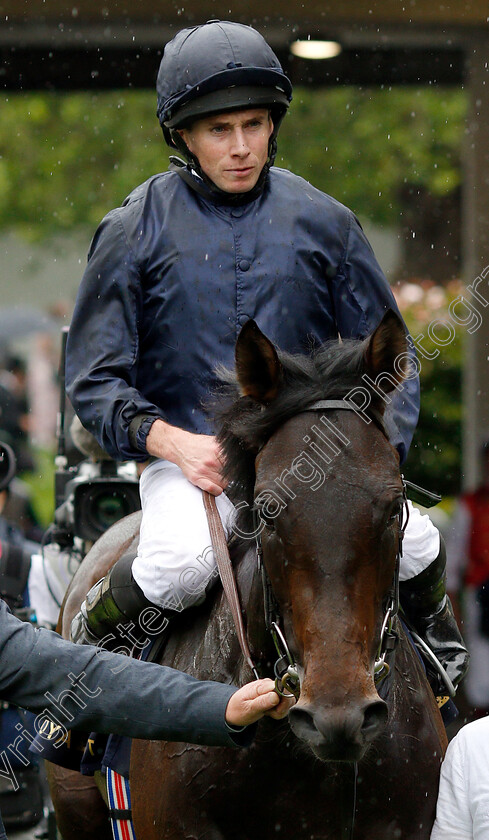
(319, 491)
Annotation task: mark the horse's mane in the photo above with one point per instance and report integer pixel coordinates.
(244, 426)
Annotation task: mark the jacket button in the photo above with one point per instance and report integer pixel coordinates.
(236, 212)
(242, 319)
(244, 265)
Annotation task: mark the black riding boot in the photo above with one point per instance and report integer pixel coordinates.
(113, 610)
(428, 609)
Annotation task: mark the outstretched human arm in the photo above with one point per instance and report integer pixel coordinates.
(89, 688)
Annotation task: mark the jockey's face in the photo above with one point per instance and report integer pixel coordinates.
(232, 148)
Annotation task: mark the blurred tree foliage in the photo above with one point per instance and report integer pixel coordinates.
(434, 459)
(66, 159)
(362, 146)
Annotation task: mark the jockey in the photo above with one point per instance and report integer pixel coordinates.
(172, 276)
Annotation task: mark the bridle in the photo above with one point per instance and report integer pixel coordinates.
(286, 670)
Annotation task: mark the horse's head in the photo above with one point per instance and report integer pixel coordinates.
(328, 494)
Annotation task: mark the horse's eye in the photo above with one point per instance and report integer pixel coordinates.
(395, 511)
(268, 521)
(266, 518)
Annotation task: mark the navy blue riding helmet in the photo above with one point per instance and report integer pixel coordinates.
(216, 67)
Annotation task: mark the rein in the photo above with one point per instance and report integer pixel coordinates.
(223, 562)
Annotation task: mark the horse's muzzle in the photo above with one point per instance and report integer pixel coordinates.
(341, 733)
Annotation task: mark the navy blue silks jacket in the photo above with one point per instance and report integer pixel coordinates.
(171, 278)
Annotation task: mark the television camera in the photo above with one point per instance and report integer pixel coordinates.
(93, 494)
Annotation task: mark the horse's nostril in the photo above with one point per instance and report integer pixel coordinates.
(374, 720)
(339, 731)
(302, 723)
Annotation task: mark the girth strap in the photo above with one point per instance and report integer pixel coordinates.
(119, 799)
(223, 562)
(120, 813)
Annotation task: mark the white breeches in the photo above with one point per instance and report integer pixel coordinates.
(175, 563)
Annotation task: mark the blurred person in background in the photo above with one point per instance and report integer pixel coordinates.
(15, 550)
(14, 410)
(26, 580)
(468, 582)
(15, 431)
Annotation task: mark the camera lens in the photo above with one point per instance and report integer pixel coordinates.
(100, 505)
(107, 508)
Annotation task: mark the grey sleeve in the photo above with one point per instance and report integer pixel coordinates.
(88, 688)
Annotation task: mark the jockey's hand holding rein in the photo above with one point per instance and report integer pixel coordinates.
(198, 456)
(254, 700)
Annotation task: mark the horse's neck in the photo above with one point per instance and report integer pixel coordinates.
(250, 590)
(204, 642)
(409, 693)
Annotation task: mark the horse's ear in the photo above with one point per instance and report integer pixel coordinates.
(258, 367)
(386, 351)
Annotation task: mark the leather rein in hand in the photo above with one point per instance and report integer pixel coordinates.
(223, 562)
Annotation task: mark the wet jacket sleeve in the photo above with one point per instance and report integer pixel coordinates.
(88, 688)
(103, 343)
(361, 296)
